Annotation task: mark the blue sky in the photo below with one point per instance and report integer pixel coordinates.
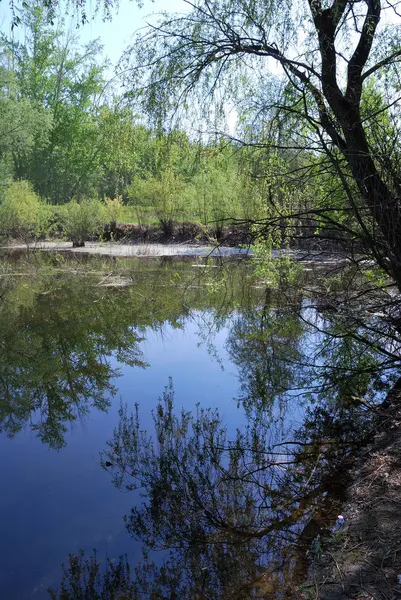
(116, 34)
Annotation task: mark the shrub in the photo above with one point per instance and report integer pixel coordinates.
(114, 208)
(82, 221)
(23, 215)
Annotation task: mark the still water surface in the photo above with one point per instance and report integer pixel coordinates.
(58, 501)
(82, 337)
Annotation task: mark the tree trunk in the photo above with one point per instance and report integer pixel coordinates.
(384, 206)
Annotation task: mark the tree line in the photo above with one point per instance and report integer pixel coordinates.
(73, 151)
(315, 154)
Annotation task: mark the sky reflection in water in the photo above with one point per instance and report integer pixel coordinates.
(219, 344)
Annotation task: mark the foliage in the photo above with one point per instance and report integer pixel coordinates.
(114, 208)
(162, 194)
(70, 139)
(59, 137)
(327, 112)
(22, 214)
(296, 170)
(82, 221)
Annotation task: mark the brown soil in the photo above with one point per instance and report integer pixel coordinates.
(235, 233)
(362, 561)
(232, 235)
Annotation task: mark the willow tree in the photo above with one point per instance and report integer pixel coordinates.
(313, 75)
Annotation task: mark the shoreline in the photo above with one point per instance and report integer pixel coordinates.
(362, 560)
(174, 250)
(127, 250)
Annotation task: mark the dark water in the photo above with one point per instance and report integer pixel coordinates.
(230, 490)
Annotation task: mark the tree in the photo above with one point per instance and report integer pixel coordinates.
(59, 86)
(52, 7)
(320, 105)
(23, 124)
(334, 101)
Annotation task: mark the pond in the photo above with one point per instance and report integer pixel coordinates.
(178, 412)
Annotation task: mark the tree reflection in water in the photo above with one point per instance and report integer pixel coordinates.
(225, 514)
(232, 516)
(65, 326)
(55, 355)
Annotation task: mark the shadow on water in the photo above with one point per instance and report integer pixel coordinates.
(219, 513)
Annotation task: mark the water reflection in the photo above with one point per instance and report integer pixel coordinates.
(219, 513)
(223, 514)
(65, 325)
(232, 516)
(57, 340)
(265, 346)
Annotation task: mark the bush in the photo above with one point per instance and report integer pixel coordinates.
(114, 208)
(83, 221)
(23, 215)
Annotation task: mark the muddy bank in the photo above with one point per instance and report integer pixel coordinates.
(362, 560)
(236, 234)
(180, 240)
(233, 234)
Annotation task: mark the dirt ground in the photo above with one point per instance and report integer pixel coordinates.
(362, 560)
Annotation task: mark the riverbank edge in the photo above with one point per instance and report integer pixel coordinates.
(235, 234)
(127, 250)
(239, 235)
(362, 560)
(231, 234)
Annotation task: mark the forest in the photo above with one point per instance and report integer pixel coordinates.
(78, 152)
(153, 145)
(75, 156)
